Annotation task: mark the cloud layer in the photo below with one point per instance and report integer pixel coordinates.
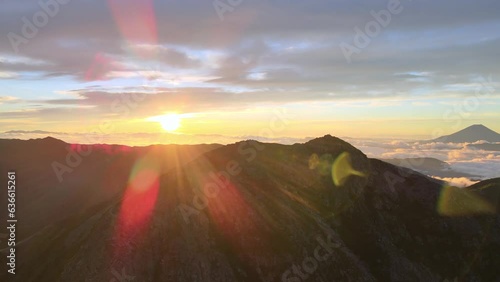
(462, 157)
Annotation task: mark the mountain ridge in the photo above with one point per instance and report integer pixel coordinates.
(279, 203)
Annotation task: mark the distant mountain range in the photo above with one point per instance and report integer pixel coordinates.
(248, 211)
(431, 167)
(471, 134)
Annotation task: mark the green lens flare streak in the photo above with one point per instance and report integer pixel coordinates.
(342, 169)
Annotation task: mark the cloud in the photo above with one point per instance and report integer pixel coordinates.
(4, 99)
(183, 57)
(142, 139)
(294, 43)
(486, 168)
(7, 74)
(22, 132)
(457, 181)
(462, 157)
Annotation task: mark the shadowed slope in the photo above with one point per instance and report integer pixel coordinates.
(252, 211)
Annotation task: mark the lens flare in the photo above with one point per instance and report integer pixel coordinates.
(455, 201)
(313, 161)
(138, 203)
(342, 169)
(142, 29)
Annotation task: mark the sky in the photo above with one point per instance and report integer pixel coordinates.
(139, 72)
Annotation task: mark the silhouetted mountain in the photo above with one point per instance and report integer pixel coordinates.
(471, 134)
(429, 166)
(89, 175)
(251, 211)
(489, 190)
(419, 163)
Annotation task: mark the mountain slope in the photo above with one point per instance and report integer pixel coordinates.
(89, 175)
(489, 190)
(471, 134)
(250, 211)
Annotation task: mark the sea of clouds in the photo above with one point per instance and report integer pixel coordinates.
(462, 157)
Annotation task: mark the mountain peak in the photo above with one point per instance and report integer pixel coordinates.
(325, 140)
(49, 140)
(471, 134)
(477, 126)
(331, 144)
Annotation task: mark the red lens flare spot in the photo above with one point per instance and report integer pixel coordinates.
(100, 66)
(136, 21)
(137, 205)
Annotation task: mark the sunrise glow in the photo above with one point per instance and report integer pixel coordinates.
(170, 122)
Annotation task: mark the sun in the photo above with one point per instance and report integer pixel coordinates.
(170, 122)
